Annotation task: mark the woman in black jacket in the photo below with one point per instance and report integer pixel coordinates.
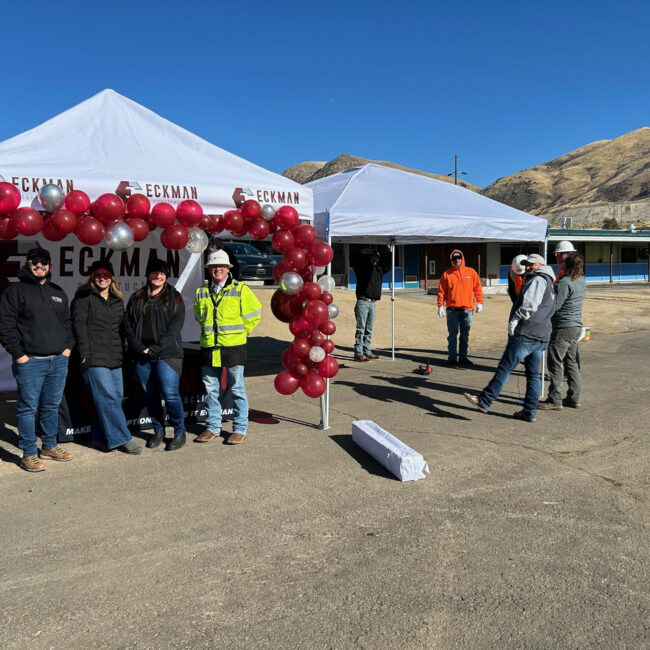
(97, 311)
(153, 322)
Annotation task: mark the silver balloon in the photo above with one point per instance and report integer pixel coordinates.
(268, 212)
(316, 354)
(291, 283)
(319, 269)
(51, 196)
(119, 236)
(326, 283)
(332, 311)
(197, 240)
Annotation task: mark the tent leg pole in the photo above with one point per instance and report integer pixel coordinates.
(325, 399)
(542, 392)
(392, 299)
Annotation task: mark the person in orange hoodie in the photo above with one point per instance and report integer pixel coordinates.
(458, 289)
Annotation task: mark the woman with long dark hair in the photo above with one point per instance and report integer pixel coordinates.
(97, 311)
(567, 326)
(153, 323)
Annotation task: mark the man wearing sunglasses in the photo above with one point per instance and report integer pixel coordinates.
(37, 332)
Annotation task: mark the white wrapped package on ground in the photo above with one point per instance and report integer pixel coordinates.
(398, 458)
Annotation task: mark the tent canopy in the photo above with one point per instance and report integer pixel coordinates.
(109, 143)
(379, 204)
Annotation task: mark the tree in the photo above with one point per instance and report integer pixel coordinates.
(611, 224)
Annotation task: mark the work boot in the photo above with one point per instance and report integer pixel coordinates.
(569, 403)
(156, 439)
(522, 415)
(370, 356)
(32, 464)
(176, 442)
(55, 453)
(360, 357)
(549, 406)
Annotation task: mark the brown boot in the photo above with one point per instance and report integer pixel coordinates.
(235, 439)
(206, 436)
(32, 464)
(55, 453)
(370, 356)
(360, 357)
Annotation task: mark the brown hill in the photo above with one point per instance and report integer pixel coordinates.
(311, 171)
(615, 172)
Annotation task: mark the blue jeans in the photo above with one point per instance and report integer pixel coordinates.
(364, 312)
(518, 349)
(109, 424)
(235, 381)
(40, 384)
(458, 319)
(159, 380)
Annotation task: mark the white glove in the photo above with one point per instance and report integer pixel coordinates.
(512, 326)
(441, 312)
(479, 307)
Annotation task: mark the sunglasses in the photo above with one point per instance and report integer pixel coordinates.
(39, 260)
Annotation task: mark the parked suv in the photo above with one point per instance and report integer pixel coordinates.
(253, 264)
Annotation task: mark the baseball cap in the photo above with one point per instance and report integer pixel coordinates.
(38, 253)
(456, 256)
(534, 258)
(101, 264)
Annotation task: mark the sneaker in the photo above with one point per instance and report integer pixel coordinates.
(131, 447)
(522, 415)
(570, 404)
(465, 362)
(32, 464)
(473, 399)
(549, 406)
(55, 453)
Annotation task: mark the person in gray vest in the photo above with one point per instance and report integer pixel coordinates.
(529, 331)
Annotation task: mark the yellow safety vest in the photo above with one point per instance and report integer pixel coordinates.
(238, 313)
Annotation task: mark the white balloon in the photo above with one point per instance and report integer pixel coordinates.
(316, 354)
(119, 236)
(197, 241)
(291, 283)
(327, 283)
(332, 311)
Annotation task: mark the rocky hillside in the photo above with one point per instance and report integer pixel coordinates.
(311, 171)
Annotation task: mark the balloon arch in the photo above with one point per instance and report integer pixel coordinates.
(307, 306)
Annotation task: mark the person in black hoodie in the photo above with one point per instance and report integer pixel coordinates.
(153, 322)
(97, 312)
(369, 267)
(37, 333)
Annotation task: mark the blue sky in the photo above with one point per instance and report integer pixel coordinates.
(505, 85)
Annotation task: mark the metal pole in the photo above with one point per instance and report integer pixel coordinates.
(392, 298)
(611, 263)
(542, 392)
(325, 398)
(455, 170)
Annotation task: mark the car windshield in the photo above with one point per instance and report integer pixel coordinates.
(243, 249)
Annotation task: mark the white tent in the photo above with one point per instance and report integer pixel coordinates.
(373, 203)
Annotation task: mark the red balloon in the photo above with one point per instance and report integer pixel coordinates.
(279, 270)
(300, 347)
(77, 202)
(27, 221)
(151, 224)
(174, 237)
(232, 220)
(272, 228)
(286, 217)
(282, 241)
(304, 235)
(289, 359)
(312, 290)
(328, 346)
(89, 231)
(189, 213)
(163, 215)
(301, 369)
(313, 385)
(328, 327)
(7, 230)
(317, 339)
(286, 383)
(307, 274)
(206, 222)
(259, 229)
(139, 227)
(328, 367)
(216, 225)
(251, 210)
(295, 258)
(327, 297)
(64, 221)
(320, 253)
(300, 327)
(108, 208)
(281, 306)
(240, 232)
(51, 232)
(9, 197)
(138, 206)
(297, 304)
(315, 312)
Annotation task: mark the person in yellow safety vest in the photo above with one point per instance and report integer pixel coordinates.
(227, 311)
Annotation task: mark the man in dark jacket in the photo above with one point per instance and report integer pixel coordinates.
(369, 267)
(529, 331)
(36, 331)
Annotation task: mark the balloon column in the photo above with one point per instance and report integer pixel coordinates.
(304, 304)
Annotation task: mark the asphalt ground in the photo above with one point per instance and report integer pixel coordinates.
(523, 535)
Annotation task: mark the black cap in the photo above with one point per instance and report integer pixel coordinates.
(155, 264)
(35, 253)
(456, 256)
(101, 264)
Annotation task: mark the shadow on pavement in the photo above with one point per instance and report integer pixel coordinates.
(366, 461)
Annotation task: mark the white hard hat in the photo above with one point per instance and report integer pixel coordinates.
(517, 267)
(564, 247)
(218, 257)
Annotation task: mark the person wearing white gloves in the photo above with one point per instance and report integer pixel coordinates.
(529, 331)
